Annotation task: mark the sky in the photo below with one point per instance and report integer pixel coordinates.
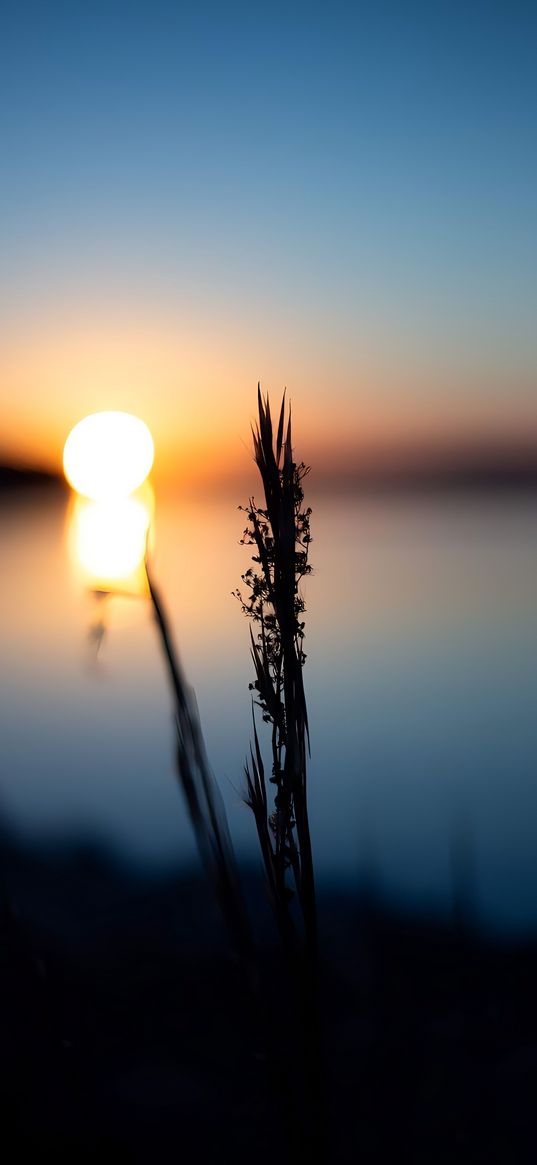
(340, 199)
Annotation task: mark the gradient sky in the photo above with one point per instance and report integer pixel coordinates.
(339, 198)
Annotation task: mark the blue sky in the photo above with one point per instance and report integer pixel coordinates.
(351, 188)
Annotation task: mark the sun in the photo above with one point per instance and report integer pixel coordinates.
(108, 455)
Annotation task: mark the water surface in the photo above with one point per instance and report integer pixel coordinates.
(421, 680)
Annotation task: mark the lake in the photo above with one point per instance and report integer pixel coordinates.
(421, 636)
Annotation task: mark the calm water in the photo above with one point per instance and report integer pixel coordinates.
(421, 681)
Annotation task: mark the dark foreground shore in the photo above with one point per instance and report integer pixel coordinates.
(129, 1032)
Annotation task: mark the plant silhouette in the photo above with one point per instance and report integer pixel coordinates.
(202, 795)
(280, 533)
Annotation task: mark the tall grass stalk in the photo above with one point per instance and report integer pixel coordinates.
(280, 534)
(202, 795)
(279, 531)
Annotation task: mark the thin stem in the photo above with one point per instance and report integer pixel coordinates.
(204, 802)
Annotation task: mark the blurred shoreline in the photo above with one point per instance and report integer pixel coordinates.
(457, 471)
(16, 479)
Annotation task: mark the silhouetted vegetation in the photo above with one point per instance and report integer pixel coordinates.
(280, 534)
(201, 793)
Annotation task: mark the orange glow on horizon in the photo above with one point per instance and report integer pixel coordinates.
(195, 388)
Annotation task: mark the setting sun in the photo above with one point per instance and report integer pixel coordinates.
(108, 455)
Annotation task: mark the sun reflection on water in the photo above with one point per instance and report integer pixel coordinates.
(109, 540)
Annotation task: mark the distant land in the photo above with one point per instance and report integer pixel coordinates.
(451, 469)
(482, 468)
(17, 477)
